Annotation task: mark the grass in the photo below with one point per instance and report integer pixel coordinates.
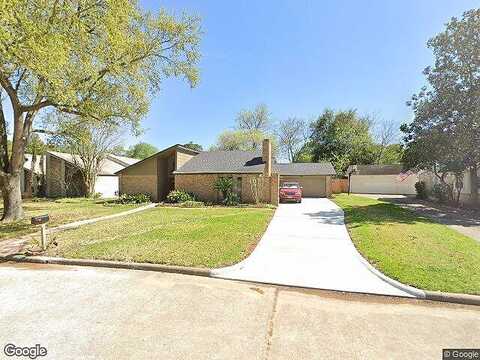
(410, 248)
(61, 211)
(201, 237)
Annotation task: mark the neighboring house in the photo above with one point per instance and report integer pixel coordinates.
(381, 179)
(38, 172)
(198, 172)
(63, 177)
(154, 175)
(390, 179)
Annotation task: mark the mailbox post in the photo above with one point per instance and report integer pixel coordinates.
(42, 221)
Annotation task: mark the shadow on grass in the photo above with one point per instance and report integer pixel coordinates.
(13, 229)
(381, 214)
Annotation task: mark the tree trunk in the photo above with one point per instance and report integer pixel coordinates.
(12, 198)
(474, 184)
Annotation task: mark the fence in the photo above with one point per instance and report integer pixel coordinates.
(339, 185)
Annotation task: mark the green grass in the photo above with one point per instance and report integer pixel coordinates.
(61, 211)
(201, 237)
(410, 248)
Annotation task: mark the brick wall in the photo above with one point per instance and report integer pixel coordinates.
(55, 176)
(134, 184)
(202, 186)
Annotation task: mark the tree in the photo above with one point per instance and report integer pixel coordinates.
(97, 59)
(292, 136)
(193, 146)
(386, 132)
(256, 119)
(141, 150)
(35, 147)
(89, 146)
(245, 140)
(342, 138)
(447, 111)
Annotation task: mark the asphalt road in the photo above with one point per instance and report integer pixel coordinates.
(87, 313)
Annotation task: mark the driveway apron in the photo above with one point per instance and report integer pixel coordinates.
(308, 245)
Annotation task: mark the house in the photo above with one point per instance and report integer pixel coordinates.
(63, 176)
(196, 172)
(38, 173)
(381, 179)
(154, 175)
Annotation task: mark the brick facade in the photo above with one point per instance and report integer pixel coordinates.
(134, 184)
(203, 186)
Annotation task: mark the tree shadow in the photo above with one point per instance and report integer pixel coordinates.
(331, 217)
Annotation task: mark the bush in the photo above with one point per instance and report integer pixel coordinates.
(231, 199)
(192, 204)
(139, 198)
(180, 196)
(421, 189)
(441, 192)
(224, 185)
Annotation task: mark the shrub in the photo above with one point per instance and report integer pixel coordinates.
(421, 189)
(224, 185)
(192, 204)
(180, 196)
(139, 198)
(441, 192)
(231, 199)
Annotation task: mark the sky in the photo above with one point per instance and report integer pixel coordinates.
(298, 57)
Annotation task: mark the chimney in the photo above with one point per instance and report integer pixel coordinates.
(267, 157)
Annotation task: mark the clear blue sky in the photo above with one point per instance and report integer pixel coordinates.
(298, 57)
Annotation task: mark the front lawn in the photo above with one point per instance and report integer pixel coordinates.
(203, 237)
(410, 248)
(61, 211)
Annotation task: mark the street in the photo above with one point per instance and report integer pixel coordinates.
(91, 313)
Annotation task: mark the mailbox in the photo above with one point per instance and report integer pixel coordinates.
(41, 219)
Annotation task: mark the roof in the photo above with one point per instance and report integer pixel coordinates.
(109, 166)
(247, 162)
(394, 169)
(161, 152)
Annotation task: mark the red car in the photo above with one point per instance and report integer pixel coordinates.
(291, 191)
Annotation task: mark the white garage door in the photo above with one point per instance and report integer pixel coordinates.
(382, 184)
(313, 186)
(107, 186)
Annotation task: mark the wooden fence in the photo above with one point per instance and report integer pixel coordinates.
(339, 186)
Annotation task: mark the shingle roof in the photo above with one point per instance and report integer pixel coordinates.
(247, 162)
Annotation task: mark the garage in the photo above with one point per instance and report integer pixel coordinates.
(313, 185)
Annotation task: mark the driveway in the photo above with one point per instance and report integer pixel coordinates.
(88, 313)
(308, 245)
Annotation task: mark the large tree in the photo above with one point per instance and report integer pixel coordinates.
(141, 150)
(343, 138)
(292, 135)
(98, 59)
(447, 111)
(257, 119)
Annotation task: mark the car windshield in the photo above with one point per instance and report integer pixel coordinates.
(290, 185)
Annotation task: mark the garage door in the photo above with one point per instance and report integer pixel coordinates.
(313, 186)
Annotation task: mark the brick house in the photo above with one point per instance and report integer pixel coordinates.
(180, 168)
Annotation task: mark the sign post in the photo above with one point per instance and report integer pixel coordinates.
(42, 220)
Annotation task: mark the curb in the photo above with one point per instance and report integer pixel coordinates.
(454, 298)
(109, 264)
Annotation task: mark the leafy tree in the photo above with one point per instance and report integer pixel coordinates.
(445, 134)
(193, 146)
(256, 119)
(245, 140)
(343, 138)
(98, 59)
(141, 150)
(291, 135)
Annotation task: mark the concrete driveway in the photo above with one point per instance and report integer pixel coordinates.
(308, 245)
(88, 313)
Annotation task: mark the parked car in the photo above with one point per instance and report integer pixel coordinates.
(291, 191)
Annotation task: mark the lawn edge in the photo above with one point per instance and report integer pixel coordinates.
(110, 264)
